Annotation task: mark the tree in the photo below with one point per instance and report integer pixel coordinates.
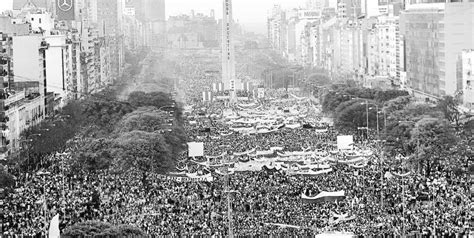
(448, 105)
(144, 151)
(397, 104)
(147, 119)
(156, 99)
(104, 114)
(433, 138)
(94, 155)
(387, 95)
(319, 79)
(6, 179)
(101, 229)
(353, 114)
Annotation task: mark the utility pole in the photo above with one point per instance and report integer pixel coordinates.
(229, 192)
(367, 117)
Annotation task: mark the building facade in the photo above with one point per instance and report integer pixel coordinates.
(434, 36)
(468, 78)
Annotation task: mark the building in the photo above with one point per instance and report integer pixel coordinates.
(277, 28)
(468, 78)
(29, 62)
(434, 36)
(193, 31)
(24, 75)
(59, 77)
(388, 43)
(110, 15)
(24, 110)
(155, 10)
(45, 4)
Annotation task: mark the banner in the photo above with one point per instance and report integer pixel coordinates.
(195, 176)
(226, 134)
(216, 156)
(400, 175)
(195, 149)
(261, 93)
(265, 153)
(220, 87)
(341, 218)
(352, 161)
(54, 227)
(186, 179)
(283, 225)
(345, 142)
(293, 126)
(358, 166)
(324, 197)
(312, 173)
(65, 10)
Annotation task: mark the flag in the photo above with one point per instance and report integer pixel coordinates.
(324, 196)
(54, 227)
(65, 10)
(220, 87)
(247, 86)
(206, 96)
(214, 87)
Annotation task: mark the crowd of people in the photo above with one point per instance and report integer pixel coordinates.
(263, 203)
(413, 203)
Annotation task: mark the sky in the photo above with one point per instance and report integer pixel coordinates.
(254, 11)
(250, 13)
(246, 11)
(5, 5)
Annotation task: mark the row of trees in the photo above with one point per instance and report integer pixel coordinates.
(144, 132)
(430, 134)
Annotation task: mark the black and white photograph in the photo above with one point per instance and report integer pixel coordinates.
(237, 118)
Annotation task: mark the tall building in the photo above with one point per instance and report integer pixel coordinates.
(435, 34)
(229, 78)
(154, 10)
(27, 107)
(46, 4)
(277, 28)
(110, 15)
(59, 68)
(468, 78)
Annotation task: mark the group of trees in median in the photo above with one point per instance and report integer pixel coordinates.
(144, 132)
(430, 134)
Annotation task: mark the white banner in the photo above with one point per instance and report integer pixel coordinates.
(345, 142)
(195, 149)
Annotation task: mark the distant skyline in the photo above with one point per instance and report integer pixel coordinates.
(252, 14)
(246, 11)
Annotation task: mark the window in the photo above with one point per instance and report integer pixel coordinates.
(39, 20)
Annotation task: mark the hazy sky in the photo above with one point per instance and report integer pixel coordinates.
(244, 10)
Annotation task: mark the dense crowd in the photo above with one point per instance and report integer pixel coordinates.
(379, 204)
(167, 207)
